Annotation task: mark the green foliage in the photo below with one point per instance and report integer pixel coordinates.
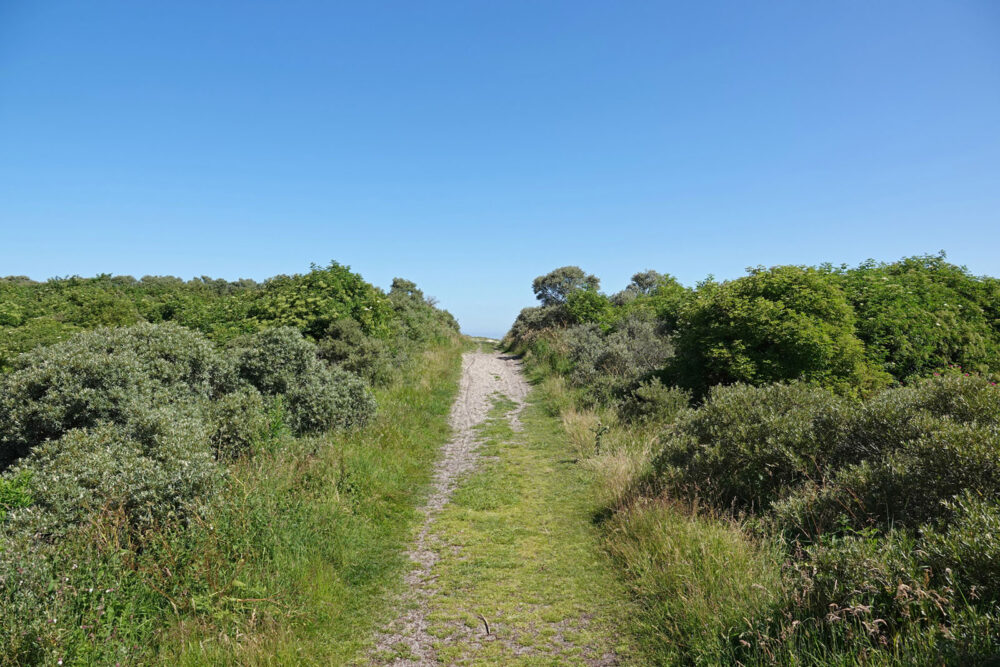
(653, 401)
(33, 314)
(586, 306)
(656, 294)
(28, 334)
(554, 288)
(531, 323)
(777, 324)
(746, 447)
(280, 362)
(145, 477)
(869, 508)
(106, 375)
(605, 364)
(346, 345)
(968, 545)
(907, 452)
(313, 301)
(141, 462)
(922, 313)
(416, 317)
(239, 423)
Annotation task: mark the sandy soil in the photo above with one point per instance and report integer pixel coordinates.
(484, 374)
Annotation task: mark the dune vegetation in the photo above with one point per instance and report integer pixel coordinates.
(798, 466)
(208, 470)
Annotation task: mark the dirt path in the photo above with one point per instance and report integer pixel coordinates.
(508, 567)
(484, 376)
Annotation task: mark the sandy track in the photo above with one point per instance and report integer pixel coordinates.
(484, 374)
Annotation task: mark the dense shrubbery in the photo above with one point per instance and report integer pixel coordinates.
(607, 363)
(317, 303)
(847, 416)
(280, 362)
(778, 324)
(922, 313)
(125, 407)
(852, 330)
(313, 301)
(133, 420)
(107, 375)
(746, 446)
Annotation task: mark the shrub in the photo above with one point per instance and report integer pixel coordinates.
(531, 322)
(747, 446)
(554, 288)
(346, 345)
(652, 401)
(313, 301)
(967, 544)
(904, 487)
(922, 313)
(147, 477)
(239, 423)
(333, 398)
(606, 364)
(105, 375)
(777, 324)
(28, 335)
(281, 362)
(905, 454)
(585, 305)
(658, 294)
(416, 318)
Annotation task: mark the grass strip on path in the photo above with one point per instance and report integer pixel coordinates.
(519, 553)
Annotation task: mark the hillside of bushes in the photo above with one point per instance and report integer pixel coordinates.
(167, 446)
(799, 466)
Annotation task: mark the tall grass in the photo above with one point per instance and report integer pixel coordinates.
(286, 564)
(714, 587)
(700, 579)
(312, 535)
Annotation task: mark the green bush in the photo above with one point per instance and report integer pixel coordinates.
(280, 362)
(584, 306)
(239, 423)
(778, 324)
(657, 294)
(531, 322)
(109, 469)
(346, 345)
(747, 447)
(965, 548)
(905, 487)
(313, 301)
(607, 363)
(416, 318)
(105, 375)
(905, 453)
(922, 313)
(653, 401)
(29, 334)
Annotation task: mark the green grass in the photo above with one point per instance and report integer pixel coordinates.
(314, 536)
(710, 589)
(518, 548)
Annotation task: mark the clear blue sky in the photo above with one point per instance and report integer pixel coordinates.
(473, 145)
